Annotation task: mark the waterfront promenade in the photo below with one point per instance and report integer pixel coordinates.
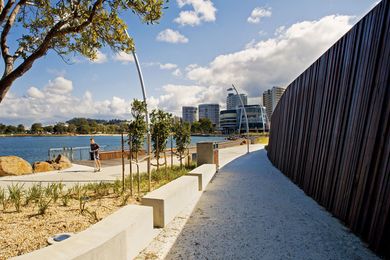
(85, 174)
(252, 211)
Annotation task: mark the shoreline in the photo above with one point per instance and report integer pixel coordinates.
(73, 135)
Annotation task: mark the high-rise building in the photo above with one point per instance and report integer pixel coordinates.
(210, 111)
(271, 98)
(233, 101)
(190, 114)
(256, 119)
(234, 120)
(228, 121)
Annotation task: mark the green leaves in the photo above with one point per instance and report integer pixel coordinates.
(182, 135)
(137, 126)
(66, 26)
(161, 123)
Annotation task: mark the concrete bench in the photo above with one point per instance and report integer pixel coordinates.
(204, 173)
(170, 199)
(122, 235)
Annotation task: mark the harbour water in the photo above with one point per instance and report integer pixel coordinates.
(35, 148)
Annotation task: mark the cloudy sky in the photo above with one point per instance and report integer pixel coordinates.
(199, 48)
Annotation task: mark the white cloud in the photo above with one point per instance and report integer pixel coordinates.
(100, 57)
(203, 11)
(56, 102)
(276, 61)
(176, 96)
(171, 36)
(258, 13)
(167, 66)
(177, 73)
(33, 92)
(123, 57)
(250, 44)
(59, 86)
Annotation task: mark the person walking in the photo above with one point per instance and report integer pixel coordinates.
(95, 153)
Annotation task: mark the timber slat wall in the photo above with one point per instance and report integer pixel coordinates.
(330, 133)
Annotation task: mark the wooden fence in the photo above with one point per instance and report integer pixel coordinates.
(330, 132)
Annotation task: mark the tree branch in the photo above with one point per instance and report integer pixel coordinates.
(4, 11)
(3, 41)
(85, 23)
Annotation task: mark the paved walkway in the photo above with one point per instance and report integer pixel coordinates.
(84, 174)
(252, 211)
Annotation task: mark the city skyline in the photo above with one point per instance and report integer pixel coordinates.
(266, 46)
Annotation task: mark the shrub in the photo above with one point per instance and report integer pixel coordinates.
(65, 198)
(33, 194)
(3, 198)
(43, 204)
(16, 195)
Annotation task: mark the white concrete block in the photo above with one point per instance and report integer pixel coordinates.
(204, 173)
(170, 199)
(122, 235)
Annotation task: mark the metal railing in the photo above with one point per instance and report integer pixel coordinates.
(73, 153)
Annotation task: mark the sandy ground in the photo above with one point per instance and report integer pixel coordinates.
(252, 211)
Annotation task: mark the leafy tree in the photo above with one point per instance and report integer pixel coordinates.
(2, 128)
(48, 129)
(36, 128)
(160, 125)
(83, 129)
(195, 127)
(64, 26)
(59, 128)
(21, 129)
(10, 129)
(182, 135)
(137, 126)
(206, 126)
(71, 128)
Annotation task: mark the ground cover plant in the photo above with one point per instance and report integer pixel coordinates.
(29, 215)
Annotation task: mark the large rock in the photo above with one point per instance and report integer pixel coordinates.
(44, 167)
(13, 165)
(63, 162)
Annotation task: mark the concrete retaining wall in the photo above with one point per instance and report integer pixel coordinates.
(204, 173)
(170, 199)
(121, 235)
(125, 233)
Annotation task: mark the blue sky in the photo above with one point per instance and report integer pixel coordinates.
(254, 44)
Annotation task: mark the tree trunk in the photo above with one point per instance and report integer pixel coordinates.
(5, 85)
(181, 160)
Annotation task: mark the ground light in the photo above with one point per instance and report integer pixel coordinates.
(246, 117)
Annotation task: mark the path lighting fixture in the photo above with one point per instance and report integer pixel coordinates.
(246, 116)
(141, 79)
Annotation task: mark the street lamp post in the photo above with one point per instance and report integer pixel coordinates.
(246, 116)
(141, 79)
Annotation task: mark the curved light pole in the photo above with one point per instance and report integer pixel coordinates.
(141, 79)
(246, 116)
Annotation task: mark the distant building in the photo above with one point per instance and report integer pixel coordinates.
(190, 114)
(233, 101)
(271, 98)
(210, 111)
(228, 121)
(234, 121)
(257, 120)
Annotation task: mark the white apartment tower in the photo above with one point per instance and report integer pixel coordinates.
(271, 98)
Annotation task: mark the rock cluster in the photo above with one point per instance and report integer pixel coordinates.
(60, 163)
(13, 166)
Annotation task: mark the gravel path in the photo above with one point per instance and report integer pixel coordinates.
(252, 211)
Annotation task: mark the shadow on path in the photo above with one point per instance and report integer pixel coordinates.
(252, 211)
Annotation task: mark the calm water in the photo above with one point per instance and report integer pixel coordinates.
(35, 148)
